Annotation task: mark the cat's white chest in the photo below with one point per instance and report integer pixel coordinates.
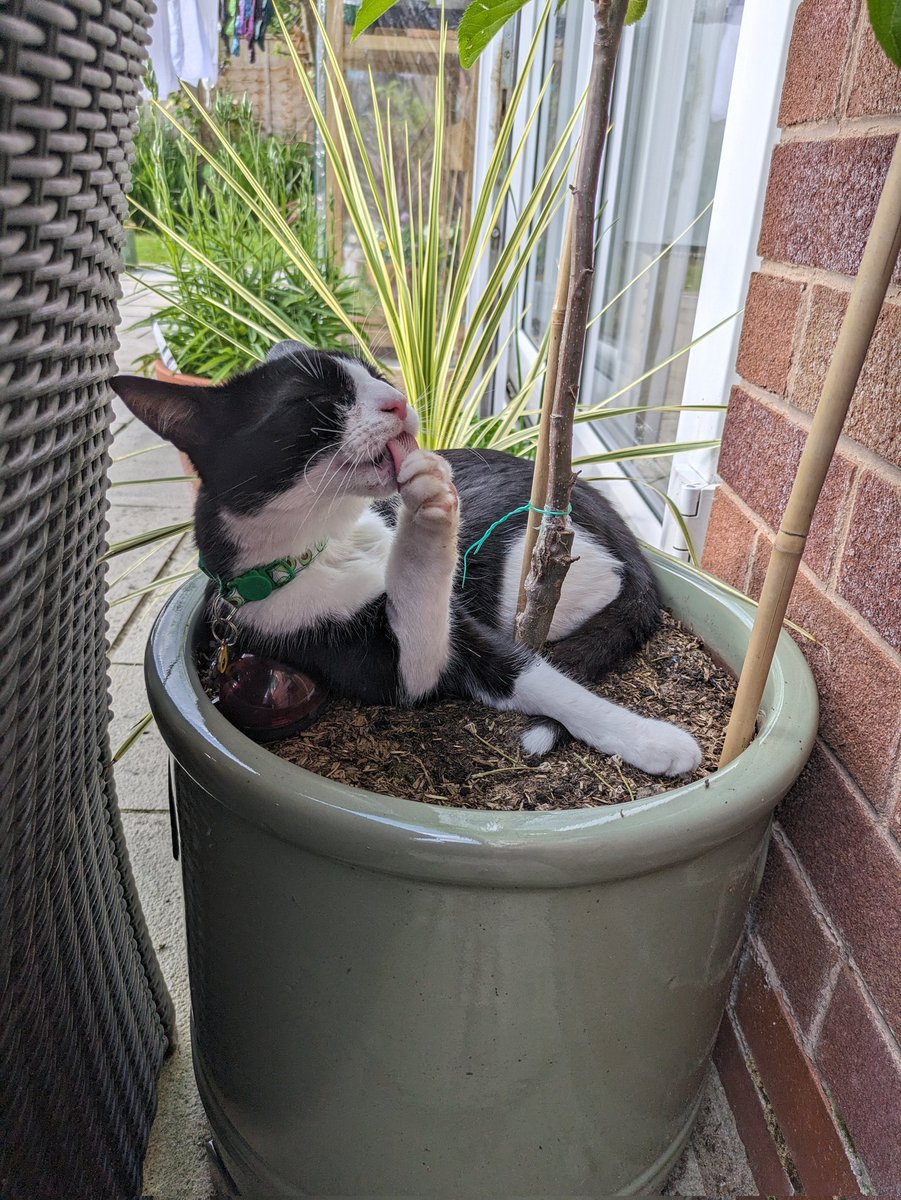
(343, 579)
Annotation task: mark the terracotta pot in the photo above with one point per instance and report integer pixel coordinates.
(392, 998)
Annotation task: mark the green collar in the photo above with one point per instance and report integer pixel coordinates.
(260, 582)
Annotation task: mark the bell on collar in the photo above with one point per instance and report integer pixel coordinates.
(265, 699)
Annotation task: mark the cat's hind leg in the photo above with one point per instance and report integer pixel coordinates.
(653, 746)
(542, 691)
(494, 670)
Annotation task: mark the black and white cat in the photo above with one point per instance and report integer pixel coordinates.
(312, 446)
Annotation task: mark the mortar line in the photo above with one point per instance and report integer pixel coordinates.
(841, 536)
(825, 276)
(859, 454)
(852, 61)
(832, 129)
(799, 335)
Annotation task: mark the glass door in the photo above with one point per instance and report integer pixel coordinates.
(668, 115)
(657, 187)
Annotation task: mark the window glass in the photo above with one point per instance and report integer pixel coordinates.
(561, 54)
(670, 101)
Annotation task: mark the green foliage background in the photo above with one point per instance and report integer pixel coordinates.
(210, 327)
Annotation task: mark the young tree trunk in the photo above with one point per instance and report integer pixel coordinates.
(551, 558)
(540, 473)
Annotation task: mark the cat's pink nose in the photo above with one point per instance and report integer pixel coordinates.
(394, 402)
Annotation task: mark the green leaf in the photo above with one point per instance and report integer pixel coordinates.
(133, 734)
(635, 11)
(725, 587)
(480, 22)
(145, 539)
(117, 458)
(155, 584)
(885, 17)
(369, 13)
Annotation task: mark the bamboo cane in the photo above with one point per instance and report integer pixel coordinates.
(864, 305)
(542, 453)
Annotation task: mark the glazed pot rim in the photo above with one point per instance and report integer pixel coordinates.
(479, 847)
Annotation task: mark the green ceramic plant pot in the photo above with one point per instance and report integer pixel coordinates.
(396, 999)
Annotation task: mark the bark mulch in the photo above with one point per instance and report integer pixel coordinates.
(462, 754)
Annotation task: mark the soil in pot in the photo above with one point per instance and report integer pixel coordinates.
(462, 754)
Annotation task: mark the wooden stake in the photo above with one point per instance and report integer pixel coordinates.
(864, 306)
(542, 452)
(334, 26)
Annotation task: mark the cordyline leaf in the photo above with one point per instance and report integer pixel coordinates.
(117, 458)
(139, 562)
(479, 24)
(369, 12)
(885, 17)
(635, 11)
(670, 503)
(133, 734)
(155, 585)
(725, 587)
(145, 539)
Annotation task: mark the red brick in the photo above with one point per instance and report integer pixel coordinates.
(790, 1081)
(876, 86)
(797, 939)
(749, 1110)
(861, 1064)
(813, 74)
(730, 540)
(859, 684)
(856, 870)
(820, 201)
(873, 417)
(768, 331)
(870, 572)
(759, 457)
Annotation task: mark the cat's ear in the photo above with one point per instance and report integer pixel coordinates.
(180, 413)
(285, 349)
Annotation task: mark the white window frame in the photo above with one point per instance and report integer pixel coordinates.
(749, 135)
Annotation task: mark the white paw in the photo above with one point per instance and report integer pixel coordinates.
(539, 740)
(426, 486)
(663, 749)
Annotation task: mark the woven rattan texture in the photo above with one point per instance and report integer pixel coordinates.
(83, 1012)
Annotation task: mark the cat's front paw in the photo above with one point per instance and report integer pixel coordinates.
(664, 749)
(426, 486)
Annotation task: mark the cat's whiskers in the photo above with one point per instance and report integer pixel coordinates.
(342, 489)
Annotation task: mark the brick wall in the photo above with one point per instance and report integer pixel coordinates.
(809, 1052)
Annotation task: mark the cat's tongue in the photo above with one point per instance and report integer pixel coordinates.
(399, 448)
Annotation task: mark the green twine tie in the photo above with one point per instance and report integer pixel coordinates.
(477, 545)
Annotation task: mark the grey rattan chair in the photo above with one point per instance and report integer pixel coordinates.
(84, 1015)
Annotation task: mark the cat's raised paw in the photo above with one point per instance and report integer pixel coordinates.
(665, 749)
(426, 486)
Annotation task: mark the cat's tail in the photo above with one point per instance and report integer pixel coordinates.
(541, 738)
